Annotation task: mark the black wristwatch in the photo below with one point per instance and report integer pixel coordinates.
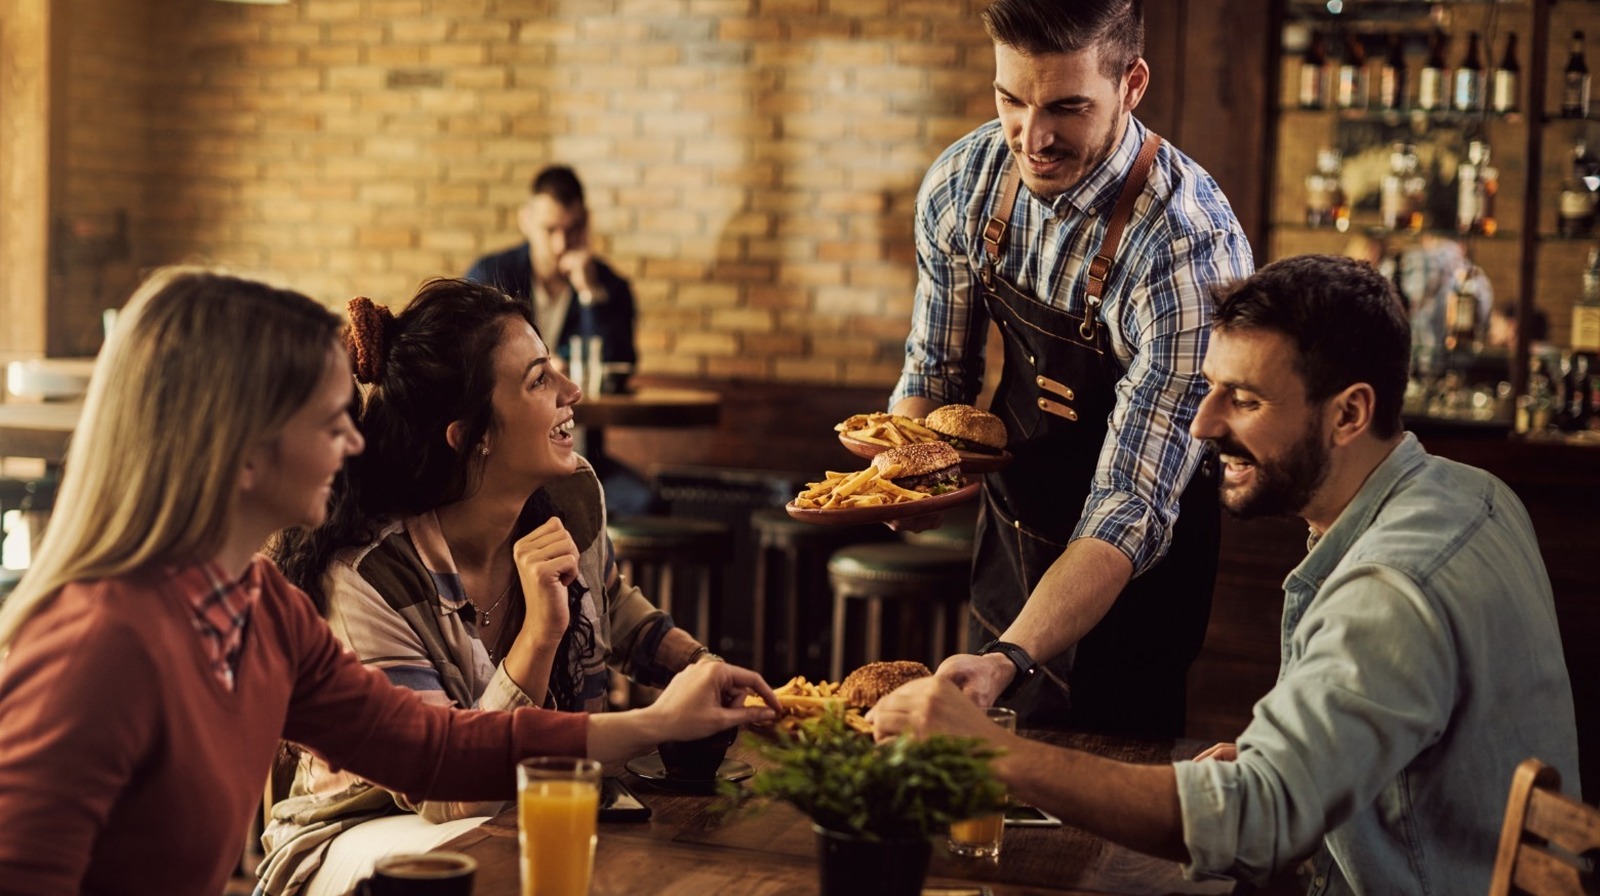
(1026, 667)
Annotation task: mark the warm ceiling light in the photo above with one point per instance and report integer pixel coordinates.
(260, 2)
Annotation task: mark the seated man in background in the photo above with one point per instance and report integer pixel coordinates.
(1421, 659)
(573, 294)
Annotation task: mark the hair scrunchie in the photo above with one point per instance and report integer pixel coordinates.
(365, 338)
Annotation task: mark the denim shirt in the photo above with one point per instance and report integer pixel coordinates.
(1420, 663)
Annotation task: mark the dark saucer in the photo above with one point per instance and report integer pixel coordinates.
(650, 768)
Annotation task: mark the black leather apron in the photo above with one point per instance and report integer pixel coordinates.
(1056, 394)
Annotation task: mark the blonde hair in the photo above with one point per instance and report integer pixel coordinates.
(202, 367)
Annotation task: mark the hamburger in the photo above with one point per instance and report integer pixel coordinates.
(865, 686)
(967, 428)
(930, 467)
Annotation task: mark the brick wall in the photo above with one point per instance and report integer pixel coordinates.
(751, 164)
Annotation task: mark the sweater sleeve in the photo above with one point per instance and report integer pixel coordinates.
(69, 742)
(354, 718)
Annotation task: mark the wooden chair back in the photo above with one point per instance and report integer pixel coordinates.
(1549, 842)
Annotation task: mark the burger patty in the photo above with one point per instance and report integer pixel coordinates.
(970, 447)
(936, 483)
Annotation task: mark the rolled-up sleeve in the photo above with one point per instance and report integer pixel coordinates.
(1369, 685)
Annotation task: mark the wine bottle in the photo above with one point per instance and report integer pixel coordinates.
(1507, 79)
(1469, 77)
(1575, 81)
(1575, 208)
(1586, 311)
(1314, 74)
(1430, 82)
(1392, 77)
(1352, 90)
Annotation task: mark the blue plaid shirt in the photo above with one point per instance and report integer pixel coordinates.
(1181, 242)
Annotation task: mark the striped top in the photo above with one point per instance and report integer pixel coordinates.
(1181, 242)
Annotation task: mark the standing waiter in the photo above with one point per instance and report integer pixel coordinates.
(1094, 247)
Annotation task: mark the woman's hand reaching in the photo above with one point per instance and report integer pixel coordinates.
(699, 701)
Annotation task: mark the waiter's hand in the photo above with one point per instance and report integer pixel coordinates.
(981, 678)
(919, 523)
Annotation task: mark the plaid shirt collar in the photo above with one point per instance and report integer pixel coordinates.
(221, 612)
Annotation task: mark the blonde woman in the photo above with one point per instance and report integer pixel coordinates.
(152, 661)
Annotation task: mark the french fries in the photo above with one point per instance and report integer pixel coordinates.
(888, 430)
(803, 700)
(863, 488)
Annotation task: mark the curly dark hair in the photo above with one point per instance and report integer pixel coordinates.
(430, 366)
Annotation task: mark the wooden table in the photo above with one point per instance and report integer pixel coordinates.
(650, 407)
(686, 848)
(38, 429)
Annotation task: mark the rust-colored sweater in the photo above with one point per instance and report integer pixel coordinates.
(126, 765)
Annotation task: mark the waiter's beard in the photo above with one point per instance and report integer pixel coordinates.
(1075, 173)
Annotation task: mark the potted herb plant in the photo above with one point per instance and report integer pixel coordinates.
(874, 807)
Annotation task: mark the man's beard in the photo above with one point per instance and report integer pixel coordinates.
(1083, 164)
(1281, 488)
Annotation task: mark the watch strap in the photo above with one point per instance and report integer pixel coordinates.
(1027, 667)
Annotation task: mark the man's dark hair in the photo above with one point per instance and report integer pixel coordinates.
(560, 183)
(1345, 321)
(1037, 27)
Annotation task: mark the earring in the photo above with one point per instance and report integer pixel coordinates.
(483, 450)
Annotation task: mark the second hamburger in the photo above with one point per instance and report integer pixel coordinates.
(931, 467)
(967, 428)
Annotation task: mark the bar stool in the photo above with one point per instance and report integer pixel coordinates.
(663, 554)
(926, 585)
(793, 605)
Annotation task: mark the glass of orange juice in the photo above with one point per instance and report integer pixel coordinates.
(558, 801)
(981, 836)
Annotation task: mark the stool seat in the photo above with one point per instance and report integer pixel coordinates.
(927, 586)
(668, 533)
(654, 551)
(792, 603)
(900, 564)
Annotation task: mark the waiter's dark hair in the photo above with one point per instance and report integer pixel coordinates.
(1345, 320)
(1036, 27)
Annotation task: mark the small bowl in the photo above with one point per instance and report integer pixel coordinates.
(696, 760)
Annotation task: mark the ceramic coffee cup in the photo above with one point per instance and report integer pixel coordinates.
(696, 760)
(421, 874)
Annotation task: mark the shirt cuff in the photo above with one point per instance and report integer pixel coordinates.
(502, 693)
(1208, 800)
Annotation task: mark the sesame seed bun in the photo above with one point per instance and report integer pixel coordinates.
(919, 459)
(865, 686)
(979, 429)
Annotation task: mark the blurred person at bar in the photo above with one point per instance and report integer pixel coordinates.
(465, 557)
(573, 294)
(152, 660)
(1097, 547)
(1421, 659)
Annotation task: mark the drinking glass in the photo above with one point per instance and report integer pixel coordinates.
(981, 836)
(558, 801)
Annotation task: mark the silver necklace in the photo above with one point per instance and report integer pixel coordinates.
(483, 615)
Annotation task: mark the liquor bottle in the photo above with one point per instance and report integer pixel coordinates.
(1430, 81)
(1461, 314)
(1402, 197)
(1314, 74)
(1575, 81)
(1473, 191)
(1326, 205)
(1469, 77)
(1392, 76)
(1575, 209)
(1578, 409)
(1586, 311)
(1507, 79)
(1351, 92)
